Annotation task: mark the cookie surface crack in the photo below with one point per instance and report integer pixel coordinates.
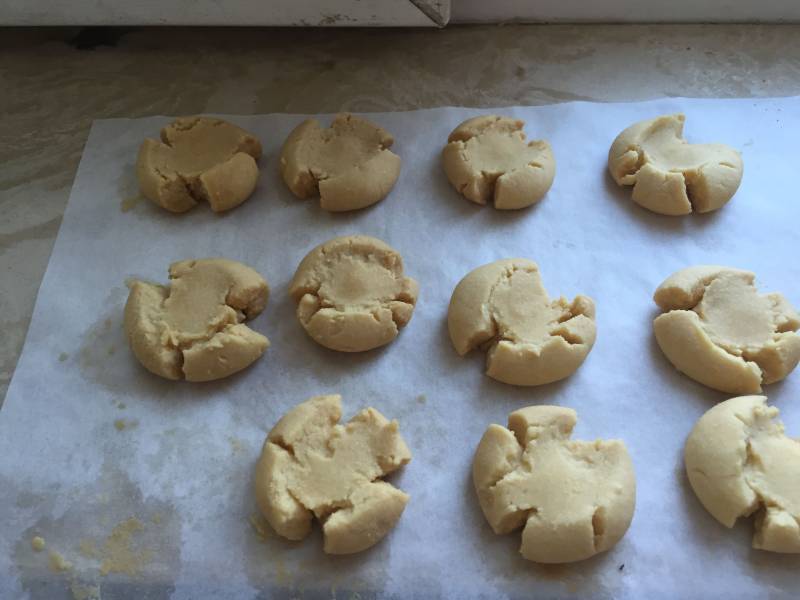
(720, 331)
(352, 295)
(336, 475)
(529, 339)
(570, 508)
(740, 462)
(193, 329)
(489, 158)
(199, 159)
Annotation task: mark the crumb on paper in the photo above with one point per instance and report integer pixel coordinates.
(81, 591)
(58, 564)
(38, 543)
(236, 444)
(122, 424)
(421, 399)
(122, 405)
(118, 553)
(282, 575)
(63, 356)
(156, 519)
(259, 527)
(88, 549)
(130, 203)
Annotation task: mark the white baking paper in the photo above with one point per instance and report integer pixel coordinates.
(89, 439)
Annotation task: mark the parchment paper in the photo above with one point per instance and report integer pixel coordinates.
(89, 439)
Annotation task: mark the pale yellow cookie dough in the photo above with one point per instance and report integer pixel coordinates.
(311, 466)
(574, 498)
(720, 331)
(199, 159)
(352, 295)
(530, 339)
(740, 462)
(489, 158)
(193, 329)
(670, 176)
(348, 165)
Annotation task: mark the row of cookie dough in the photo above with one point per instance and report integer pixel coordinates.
(573, 498)
(488, 158)
(352, 295)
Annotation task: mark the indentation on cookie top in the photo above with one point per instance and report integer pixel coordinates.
(352, 294)
(488, 158)
(199, 159)
(740, 462)
(720, 331)
(503, 308)
(310, 464)
(669, 175)
(348, 165)
(194, 329)
(523, 313)
(574, 498)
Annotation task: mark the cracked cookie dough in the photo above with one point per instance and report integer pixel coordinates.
(199, 159)
(489, 158)
(670, 176)
(348, 165)
(311, 466)
(575, 498)
(192, 329)
(739, 462)
(352, 295)
(720, 331)
(504, 309)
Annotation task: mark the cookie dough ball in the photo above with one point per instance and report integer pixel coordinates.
(669, 175)
(352, 295)
(349, 165)
(199, 159)
(193, 329)
(720, 331)
(574, 498)
(489, 158)
(311, 466)
(529, 339)
(740, 462)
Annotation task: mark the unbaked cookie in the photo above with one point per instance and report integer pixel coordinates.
(199, 159)
(489, 158)
(720, 331)
(349, 165)
(739, 462)
(352, 295)
(311, 466)
(575, 498)
(192, 329)
(670, 176)
(504, 309)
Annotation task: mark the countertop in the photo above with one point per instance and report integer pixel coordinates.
(56, 81)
